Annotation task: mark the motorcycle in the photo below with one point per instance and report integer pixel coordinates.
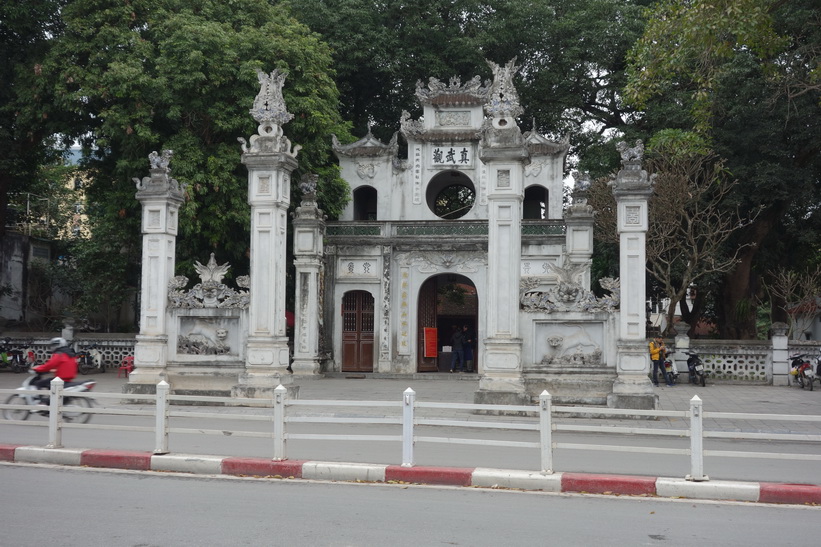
(74, 408)
(12, 357)
(90, 360)
(695, 369)
(801, 368)
(670, 367)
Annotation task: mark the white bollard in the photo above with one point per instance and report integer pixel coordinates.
(696, 442)
(161, 412)
(546, 431)
(280, 396)
(55, 418)
(408, 408)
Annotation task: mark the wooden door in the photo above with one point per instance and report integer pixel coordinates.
(357, 332)
(427, 318)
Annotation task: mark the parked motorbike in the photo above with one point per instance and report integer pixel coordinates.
(12, 357)
(801, 369)
(695, 369)
(670, 367)
(90, 360)
(37, 401)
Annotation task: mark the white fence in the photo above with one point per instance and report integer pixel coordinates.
(402, 413)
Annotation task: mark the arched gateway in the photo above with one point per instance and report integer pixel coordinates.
(469, 229)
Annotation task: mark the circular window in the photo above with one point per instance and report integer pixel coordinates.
(450, 195)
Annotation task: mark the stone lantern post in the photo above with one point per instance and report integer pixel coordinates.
(309, 229)
(632, 189)
(161, 198)
(270, 160)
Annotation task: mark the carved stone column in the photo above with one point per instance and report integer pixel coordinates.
(632, 189)
(504, 153)
(309, 230)
(161, 198)
(270, 160)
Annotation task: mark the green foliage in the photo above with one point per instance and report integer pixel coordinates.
(174, 74)
(571, 54)
(687, 44)
(26, 30)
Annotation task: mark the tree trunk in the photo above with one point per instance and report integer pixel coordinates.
(738, 297)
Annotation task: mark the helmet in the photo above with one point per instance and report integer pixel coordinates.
(58, 342)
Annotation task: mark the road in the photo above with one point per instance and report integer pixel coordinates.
(74, 506)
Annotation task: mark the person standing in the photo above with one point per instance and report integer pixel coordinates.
(467, 347)
(657, 353)
(457, 348)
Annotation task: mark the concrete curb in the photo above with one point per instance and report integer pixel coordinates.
(626, 485)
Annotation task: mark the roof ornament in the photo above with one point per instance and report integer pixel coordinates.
(504, 100)
(269, 105)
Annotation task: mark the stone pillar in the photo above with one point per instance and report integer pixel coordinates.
(505, 155)
(682, 343)
(309, 230)
(781, 358)
(632, 189)
(161, 198)
(270, 160)
(579, 222)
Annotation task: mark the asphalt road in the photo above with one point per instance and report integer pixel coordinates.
(80, 507)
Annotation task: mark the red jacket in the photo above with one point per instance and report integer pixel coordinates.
(63, 365)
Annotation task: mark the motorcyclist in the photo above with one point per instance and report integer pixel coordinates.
(62, 362)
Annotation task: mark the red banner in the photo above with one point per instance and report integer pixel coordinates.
(431, 342)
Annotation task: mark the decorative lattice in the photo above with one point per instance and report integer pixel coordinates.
(748, 365)
(552, 228)
(353, 230)
(113, 350)
(444, 229)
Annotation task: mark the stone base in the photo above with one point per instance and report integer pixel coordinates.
(501, 391)
(259, 384)
(636, 402)
(633, 390)
(571, 385)
(261, 392)
(305, 367)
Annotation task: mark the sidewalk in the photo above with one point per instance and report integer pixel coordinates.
(460, 388)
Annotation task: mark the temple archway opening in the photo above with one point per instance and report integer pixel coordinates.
(445, 300)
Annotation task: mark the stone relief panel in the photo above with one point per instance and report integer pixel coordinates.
(433, 262)
(208, 336)
(568, 294)
(370, 268)
(453, 118)
(365, 170)
(568, 344)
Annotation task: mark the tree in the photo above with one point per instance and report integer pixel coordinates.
(27, 30)
(149, 75)
(796, 293)
(689, 226)
(571, 52)
(744, 75)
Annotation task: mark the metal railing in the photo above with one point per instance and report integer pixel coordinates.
(408, 434)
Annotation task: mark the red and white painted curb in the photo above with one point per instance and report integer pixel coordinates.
(762, 492)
